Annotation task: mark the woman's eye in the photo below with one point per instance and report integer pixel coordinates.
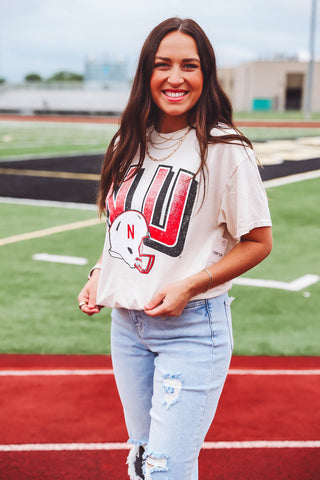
(191, 66)
(161, 65)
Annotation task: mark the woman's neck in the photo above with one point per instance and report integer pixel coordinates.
(169, 124)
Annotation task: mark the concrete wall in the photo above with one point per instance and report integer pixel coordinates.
(75, 101)
(267, 80)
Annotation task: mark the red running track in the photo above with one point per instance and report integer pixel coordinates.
(115, 120)
(73, 409)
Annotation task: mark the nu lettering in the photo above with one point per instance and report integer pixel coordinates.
(121, 199)
(168, 210)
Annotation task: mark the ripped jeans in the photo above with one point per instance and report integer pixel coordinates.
(170, 373)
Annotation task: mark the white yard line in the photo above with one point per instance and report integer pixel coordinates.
(294, 286)
(276, 182)
(50, 231)
(73, 226)
(60, 447)
(29, 372)
(47, 203)
(299, 177)
(49, 174)
(66, 259)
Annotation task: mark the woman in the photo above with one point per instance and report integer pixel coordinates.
(186, 212)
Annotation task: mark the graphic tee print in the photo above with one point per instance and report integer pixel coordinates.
(126, 234)
(165, 222)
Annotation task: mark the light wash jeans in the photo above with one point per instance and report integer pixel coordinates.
(170, 373)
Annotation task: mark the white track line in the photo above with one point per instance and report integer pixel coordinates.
(59, 447)
(109, 371)
(54, 372)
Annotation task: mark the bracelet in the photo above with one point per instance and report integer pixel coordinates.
(210, 279)
(98, 265)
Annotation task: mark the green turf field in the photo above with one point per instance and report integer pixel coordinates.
(39, 311)
(42, 139)
(289, 115)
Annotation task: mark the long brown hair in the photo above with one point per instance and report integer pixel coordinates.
(212, 108)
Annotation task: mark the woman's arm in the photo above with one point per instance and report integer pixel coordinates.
(88, 294)
(251, 250)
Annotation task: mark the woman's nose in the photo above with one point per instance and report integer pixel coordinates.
(175, 77)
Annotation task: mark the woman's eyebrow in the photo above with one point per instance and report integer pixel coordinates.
(191, 60)
(166, 59)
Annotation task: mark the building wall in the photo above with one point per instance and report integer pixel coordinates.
(266, 83)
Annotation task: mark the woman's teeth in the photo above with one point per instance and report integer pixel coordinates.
(174, 94)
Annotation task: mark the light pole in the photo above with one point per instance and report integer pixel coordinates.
(308, 98)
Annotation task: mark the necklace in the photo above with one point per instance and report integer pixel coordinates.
(175, 146)
(163, 138)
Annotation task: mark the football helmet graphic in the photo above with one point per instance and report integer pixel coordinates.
(126, 234)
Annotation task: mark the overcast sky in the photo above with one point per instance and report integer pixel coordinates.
(46, 36)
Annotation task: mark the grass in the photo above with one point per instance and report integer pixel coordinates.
(39, 300)
(39, 311)
(272, 115)
(276, 321)
(263, 134)
(20, 140)
(40, 139)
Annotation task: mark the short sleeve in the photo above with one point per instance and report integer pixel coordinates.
(244, 204)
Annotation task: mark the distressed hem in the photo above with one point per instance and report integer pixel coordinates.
(135, 461)
(154, 462)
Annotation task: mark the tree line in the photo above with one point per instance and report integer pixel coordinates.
(62, 76)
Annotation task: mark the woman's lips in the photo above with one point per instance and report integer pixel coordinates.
(175, 95)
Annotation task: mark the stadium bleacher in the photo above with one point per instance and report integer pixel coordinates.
(78, 101)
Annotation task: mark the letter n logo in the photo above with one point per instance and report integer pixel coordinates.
(131, 231)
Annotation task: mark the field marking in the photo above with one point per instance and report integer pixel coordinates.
(49, 174)
(294, 286)
(48, 203)
(277, 182)
(46, 156)
(50, 231)
(299, 177)
(60, 447)
(109, 371)
(276, 372)
(48, 257)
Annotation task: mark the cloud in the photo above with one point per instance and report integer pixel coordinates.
(47, 36)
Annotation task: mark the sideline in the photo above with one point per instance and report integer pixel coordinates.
(50, 174)
(73, 226)
(47, 203)
(58, 447)
(50, 231)
(299, 177)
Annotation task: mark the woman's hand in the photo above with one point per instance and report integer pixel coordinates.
(87, 296)
(171, 300)
(251, 250)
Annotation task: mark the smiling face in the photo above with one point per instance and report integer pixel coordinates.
(176, 82)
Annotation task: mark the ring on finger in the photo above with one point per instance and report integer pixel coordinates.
(81, 304)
